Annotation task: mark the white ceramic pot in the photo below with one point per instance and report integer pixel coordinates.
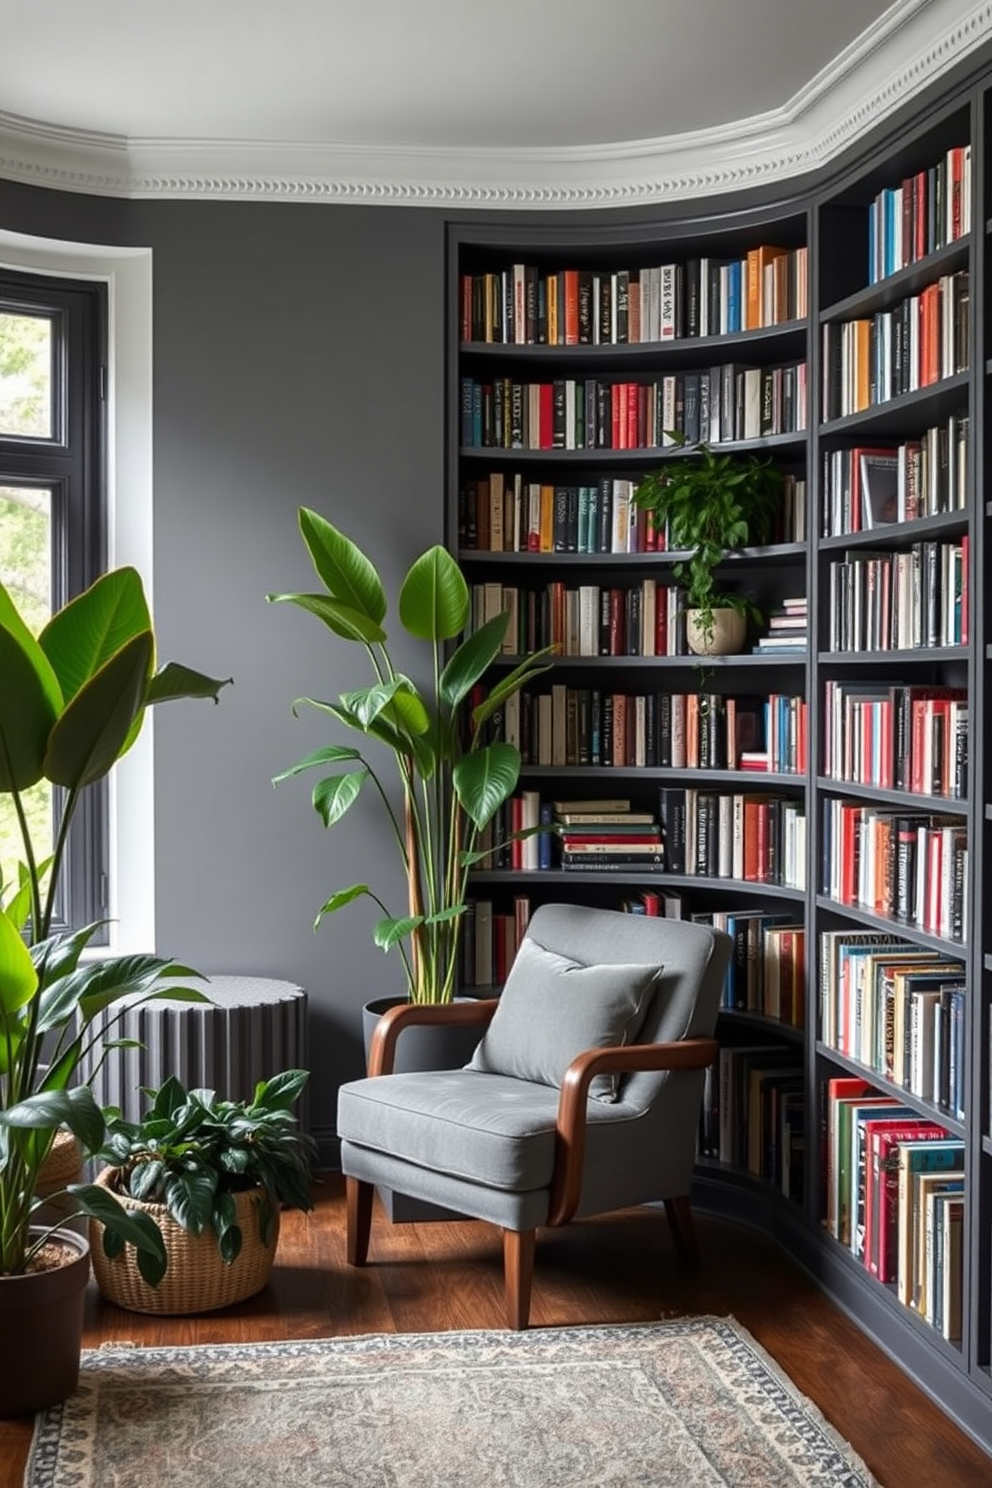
(729, 630)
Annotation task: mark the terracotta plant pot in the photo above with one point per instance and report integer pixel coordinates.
(197, 1280)
(41, 1325)
(729, 630)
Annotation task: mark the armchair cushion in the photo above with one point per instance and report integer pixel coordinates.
(552, 1008)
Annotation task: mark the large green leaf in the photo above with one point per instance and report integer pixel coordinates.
(83, 636)
(470, 661)
(27, 714)
(333, 796)
(48, 1110)
(397, 702)
(18, 978)
(388, 932)
(175, 681)
(485, 779)
(134, 1226)
(342, 566)
(344, 620)
(329, 754)
(12, 620)
(339, 899)
(434, 597)
(93, 730)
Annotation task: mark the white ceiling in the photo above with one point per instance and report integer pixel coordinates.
(136, 88)
(499, 73)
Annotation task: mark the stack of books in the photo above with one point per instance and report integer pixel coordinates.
(788, 629)
(607, 834)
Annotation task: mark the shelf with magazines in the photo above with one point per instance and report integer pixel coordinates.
(889, 558)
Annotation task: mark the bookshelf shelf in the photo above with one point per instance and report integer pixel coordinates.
(911, 799)
(593, 562)
(887, 234)
(558, 877)
(899, 534)
(889, 1087)
(892, 927)
(896, 287)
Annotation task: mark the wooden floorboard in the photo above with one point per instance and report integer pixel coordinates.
(427, 1278)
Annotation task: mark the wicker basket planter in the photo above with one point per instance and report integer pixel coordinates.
(197, 1279)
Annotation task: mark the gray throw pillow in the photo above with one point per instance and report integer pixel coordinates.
(552, 1008)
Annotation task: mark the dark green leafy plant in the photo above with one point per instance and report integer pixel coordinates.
(72, 702)
(452, 776)
(713, 503)
(193, 1153)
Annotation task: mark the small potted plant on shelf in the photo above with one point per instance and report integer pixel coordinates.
(452, 776)
(713, 503)
(212, 1174)
(72, 702)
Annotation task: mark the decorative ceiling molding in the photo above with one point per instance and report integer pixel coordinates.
(908, 47)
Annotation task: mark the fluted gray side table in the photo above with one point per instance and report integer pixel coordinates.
(252, 1028)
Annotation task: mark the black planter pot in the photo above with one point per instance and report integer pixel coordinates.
(41, 1324)
(424, 1047)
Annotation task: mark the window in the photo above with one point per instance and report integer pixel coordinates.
(52, 518)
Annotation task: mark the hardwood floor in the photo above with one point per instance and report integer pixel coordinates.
(424, 1278)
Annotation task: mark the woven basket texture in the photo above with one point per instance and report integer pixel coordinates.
(197, 1279)
(64, 1164)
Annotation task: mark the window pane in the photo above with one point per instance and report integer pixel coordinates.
(26, 375)
(25, 571)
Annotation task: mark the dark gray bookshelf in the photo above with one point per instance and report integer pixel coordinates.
(828, 215)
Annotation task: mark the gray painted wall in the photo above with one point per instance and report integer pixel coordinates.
(298, 359)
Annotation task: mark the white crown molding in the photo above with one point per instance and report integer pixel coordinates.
(911, 45)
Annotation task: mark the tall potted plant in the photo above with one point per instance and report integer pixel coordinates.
(714, 503)
(452, 778)
(72, 702)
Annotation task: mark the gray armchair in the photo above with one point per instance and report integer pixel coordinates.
(583, 1095)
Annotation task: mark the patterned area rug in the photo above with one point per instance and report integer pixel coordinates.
(693, 1403)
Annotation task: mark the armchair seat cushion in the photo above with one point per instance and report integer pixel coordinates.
(489, 1129)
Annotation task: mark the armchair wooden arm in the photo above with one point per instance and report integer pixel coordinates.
(683, 1054)
(382, 1050)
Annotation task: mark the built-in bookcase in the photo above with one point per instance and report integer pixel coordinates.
(861, 989)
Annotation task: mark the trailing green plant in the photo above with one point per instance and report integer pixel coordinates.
(193, 1153)
(72, 703)
(452, 775)
(713, 503)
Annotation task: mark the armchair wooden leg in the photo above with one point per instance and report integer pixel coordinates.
(682, 1226)
(358, 1198)
(518, 1273)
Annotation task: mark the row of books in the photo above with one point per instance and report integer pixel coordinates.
(754, 1114)
(788, 628)
(593, 726)
(606, 833)
(767, 971)
(727, 402)
(871, 486)
(897, 737)
(915, 344)
(926, 211)
(526, 305)
(896, 1198)
(898, 1009)
(505, 513)
(752, 836)
(882, 600)
(911, 867)
(490, 940)
(640, 619)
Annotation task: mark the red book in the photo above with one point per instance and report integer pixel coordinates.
(618, 639)
(884, 1137)
(632, 426)
(547, 415)
(615, 416)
